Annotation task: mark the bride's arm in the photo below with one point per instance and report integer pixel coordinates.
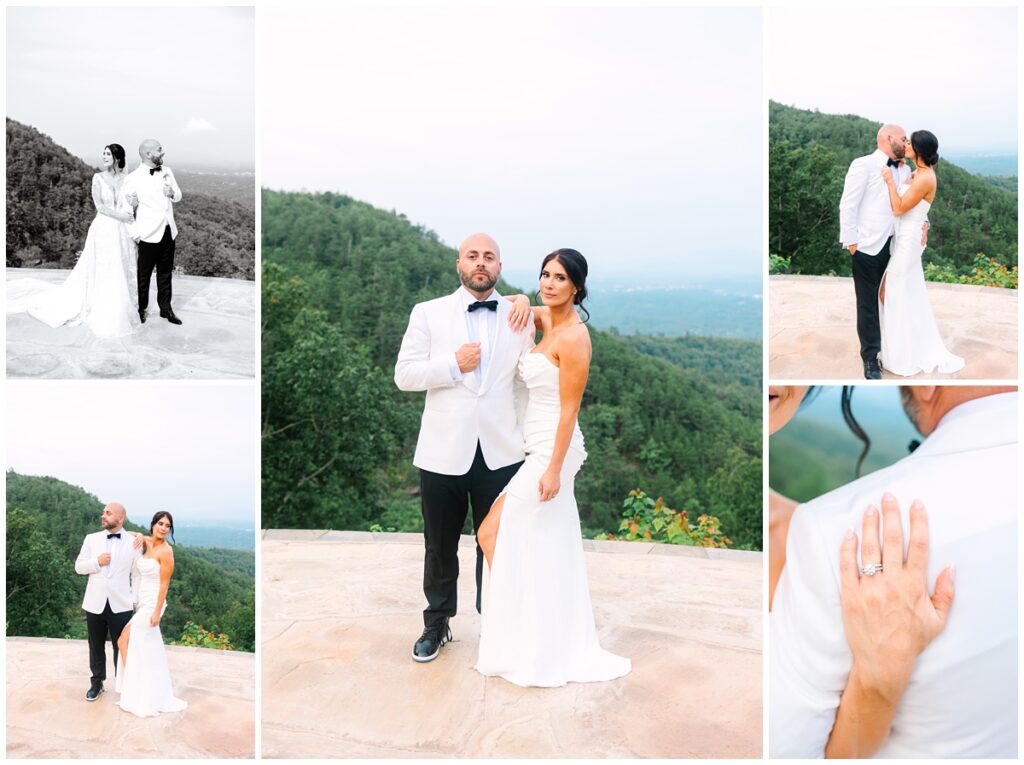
(573, 369)
(522, 311)
(166, 569)
(921, 185)
(888, 619)
(101, 208)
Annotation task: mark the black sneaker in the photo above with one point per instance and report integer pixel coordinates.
(429, 645)
(872, 370)
(94, 692)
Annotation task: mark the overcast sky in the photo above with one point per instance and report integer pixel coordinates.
(952, 71)
(633, 135)
(92, 76)
(188, 449)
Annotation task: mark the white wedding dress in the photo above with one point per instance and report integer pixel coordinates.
(102, 289)
(144, 681)
(537, 624)
(910, 338)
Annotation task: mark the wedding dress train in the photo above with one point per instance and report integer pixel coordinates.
(537, 624)
(144, 681)
(910, 338)
(102, 289)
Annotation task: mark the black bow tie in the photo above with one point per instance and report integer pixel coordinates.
(112, 536)
(894, 162)
(155, 170)
(490, 305)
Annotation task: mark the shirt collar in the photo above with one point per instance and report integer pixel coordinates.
(976, 424)
(468, 298)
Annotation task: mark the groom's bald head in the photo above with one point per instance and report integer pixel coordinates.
(891, 140)
(113, 516)
(926, 405)
(151, 152)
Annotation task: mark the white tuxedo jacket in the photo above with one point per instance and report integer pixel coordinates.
(113, 582)
(962, 697)
(865, 215)
(155, 209)
(456, 415)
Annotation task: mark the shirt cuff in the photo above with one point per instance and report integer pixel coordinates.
(453, 369)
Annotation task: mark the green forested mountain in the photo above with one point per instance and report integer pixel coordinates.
(809, 154)
(49, 209)
(339, 281)
(47, 519)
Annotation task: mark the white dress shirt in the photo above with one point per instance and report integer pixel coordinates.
(480, 326)
(962, 696)
(865, 213)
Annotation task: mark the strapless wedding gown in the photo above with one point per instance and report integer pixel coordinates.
(102, 289)
(537, 624)
(910, 338)
(144, 681)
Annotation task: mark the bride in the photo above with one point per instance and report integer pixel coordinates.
(101, 290)
(537, 624)
(144, 681)
(910, 339)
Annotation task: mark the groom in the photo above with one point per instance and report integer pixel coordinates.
(961, 699)
(152, 190)
(107, 558)
(462, 351)
(866, 226)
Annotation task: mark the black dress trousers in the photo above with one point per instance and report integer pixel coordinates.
(867, 278)
(445, 499)
(159, 255)
(99, 626)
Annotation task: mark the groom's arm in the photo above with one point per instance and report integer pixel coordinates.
(853, 191)
(176, 196)
(86, 563)
(809, 660)
(414, 369)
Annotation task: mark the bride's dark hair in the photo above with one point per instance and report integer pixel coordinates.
(926, 147)
(162, 514)
(854, 426)
(575, 266)
(117, 152)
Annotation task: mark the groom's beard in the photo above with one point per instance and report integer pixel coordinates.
(467, 281)
(911, 407)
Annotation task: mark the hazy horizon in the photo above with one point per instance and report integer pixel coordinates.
(610, 136)
(950, 70)
(88, 77)
(188, 449)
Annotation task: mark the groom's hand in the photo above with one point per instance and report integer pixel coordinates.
(104, 559)
(853, 249)
(468, 357)
(924, 234)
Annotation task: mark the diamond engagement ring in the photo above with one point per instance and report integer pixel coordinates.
(871, 569)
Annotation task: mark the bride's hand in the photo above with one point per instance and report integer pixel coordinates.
(889, 618)
(549, 485)
(154, 620)
(519, 317)
(887, 175)
(139, 539)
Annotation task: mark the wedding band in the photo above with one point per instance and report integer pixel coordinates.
(871, 569)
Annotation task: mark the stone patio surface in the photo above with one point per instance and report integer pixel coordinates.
(812, 329)
(48, 716)
(341, 611)
(217, 338)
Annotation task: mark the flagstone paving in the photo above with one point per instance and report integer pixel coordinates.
(341, 611)
(812, 329)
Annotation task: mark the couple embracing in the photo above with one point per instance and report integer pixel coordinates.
(132, 235)
(129, 575)
(883, 223)
(499, 434)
